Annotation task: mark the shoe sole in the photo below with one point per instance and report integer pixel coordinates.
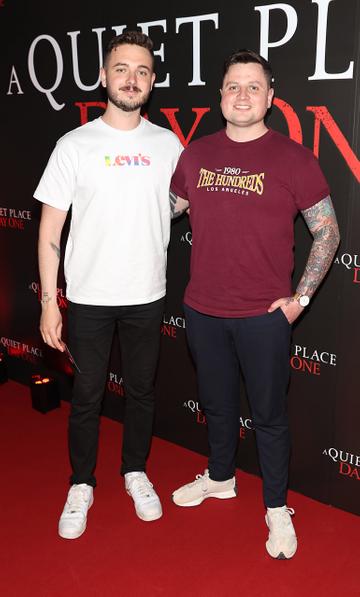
(225, 495)
(280, 555)
(65, 535)
(148, 518)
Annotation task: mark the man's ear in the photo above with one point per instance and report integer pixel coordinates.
(103, 76)
(270, 97)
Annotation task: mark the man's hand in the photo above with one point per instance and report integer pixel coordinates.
(51, 325)
(289, 306)
(178, 205)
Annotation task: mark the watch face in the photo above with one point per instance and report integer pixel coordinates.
(304, 300)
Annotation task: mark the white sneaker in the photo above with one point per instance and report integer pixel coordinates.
(193, 494)
(282, 542)
(146, 500)
(72, 522)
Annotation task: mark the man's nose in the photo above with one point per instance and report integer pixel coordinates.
(243, 92)
(131, 78)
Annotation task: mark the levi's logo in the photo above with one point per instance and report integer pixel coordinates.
(127, 160)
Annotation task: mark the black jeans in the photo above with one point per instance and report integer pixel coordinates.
(91, 330)
(260, 346)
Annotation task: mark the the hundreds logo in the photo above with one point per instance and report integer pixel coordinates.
(127, 160)
(252, 182)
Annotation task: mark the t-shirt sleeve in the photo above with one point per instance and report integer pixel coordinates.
(310, 185)
(57, 184)
(178, 181)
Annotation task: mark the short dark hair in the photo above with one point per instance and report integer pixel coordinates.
(244, 57)
(136, 38)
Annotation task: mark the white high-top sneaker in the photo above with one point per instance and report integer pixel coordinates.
(72, 521)
(146, 500)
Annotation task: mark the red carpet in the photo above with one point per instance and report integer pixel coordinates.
(215, 550)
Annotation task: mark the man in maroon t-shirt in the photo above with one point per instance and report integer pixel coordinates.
(244, 186)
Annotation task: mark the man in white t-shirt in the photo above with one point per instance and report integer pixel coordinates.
(115, 173)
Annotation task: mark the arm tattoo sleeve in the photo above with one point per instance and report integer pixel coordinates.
(56, 249)
(174, 209)
(321, 221)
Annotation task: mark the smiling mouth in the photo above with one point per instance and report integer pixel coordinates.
(241, 107)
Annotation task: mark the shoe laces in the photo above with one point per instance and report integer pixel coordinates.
(200, 479)
(77, 498)
(282, 518)
(142, 486)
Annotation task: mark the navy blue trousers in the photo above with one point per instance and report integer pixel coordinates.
(260, 347)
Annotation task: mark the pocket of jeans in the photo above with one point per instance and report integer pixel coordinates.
(282, 315)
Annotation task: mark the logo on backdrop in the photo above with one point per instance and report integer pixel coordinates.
(348, 464)
(352, 263)
(194, 407)
(60, 294)
(14, 218)
(171, 324)
(187, 238)
(310, 360)
(115, 384)
(26, 352)
(233, 180)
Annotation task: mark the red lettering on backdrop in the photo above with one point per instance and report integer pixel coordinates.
(322, 115)
(356, 279)
(170, 115)
(291, 118)
(84, 107)
(345, 469)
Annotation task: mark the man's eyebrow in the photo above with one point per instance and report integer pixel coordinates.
(126, 64)
(247, 83)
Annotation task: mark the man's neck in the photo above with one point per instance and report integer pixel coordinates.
(118, 119)
(249, 133)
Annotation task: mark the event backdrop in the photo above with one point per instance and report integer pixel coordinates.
(49, 63)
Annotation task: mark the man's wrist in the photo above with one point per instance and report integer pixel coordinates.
(45, 298)
(302, 299)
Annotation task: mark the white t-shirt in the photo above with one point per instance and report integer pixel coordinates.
(117, 183)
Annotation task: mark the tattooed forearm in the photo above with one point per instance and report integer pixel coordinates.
(56, 249)
(177, 205)
(45, 298)
(321, 221)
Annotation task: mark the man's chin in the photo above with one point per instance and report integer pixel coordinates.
(128, 106)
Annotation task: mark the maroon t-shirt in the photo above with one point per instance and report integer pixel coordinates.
(244, 197)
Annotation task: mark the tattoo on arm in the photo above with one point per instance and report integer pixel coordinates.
(321, 221)
(174, 209)
(45, 298)
(56, 249)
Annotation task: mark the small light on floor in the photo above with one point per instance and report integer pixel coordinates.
(44, 393)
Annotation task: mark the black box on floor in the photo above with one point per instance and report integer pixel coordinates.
(44, 394)
(3, 369)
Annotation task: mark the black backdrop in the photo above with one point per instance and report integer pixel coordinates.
(48, 85)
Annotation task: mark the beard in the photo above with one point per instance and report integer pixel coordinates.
(130, 105)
